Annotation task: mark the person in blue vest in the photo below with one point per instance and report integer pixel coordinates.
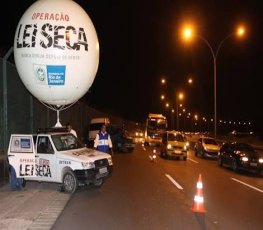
(103, 141)
(15, 182)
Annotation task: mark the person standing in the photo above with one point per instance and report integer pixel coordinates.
(103, 141)
(15, 182)
(71, 130)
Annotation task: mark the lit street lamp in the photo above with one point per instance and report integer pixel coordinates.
(188, 34)
(180, 96)
(172, 119)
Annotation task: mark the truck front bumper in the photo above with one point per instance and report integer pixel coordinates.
(90, 175)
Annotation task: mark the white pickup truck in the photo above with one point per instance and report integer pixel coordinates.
(57, 156)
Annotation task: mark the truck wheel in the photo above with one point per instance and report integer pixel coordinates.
(220, 162)
(234, 165)
(70, 182)
(98, 182)
(161, 153)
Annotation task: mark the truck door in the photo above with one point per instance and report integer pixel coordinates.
(46, 169)
(21, 155)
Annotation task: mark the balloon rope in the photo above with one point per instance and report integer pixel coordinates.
(57, 108)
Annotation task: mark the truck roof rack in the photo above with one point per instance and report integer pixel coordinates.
(53, 129)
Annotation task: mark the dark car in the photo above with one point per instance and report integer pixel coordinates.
(240, 156)
(121, 140)
(207, 147)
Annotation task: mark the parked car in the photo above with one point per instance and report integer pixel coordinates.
(207, 147)
(174, 144)
(241, 156)
(121, 140)
(138, 133)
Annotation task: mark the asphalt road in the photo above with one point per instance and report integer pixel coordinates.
(141, 194)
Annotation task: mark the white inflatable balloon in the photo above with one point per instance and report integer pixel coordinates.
(56, 51)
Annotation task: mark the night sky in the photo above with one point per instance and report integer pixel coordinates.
(140, 44)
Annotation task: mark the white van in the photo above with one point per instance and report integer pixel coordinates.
(95, 126)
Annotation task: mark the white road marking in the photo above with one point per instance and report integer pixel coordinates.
(248, 185)
(190, 159)
(174, 182)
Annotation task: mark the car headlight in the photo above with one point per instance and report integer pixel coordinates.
(205, 148)
(245, 159)
(187, 144)
(136, 134)
(260, 160)
(88, 165)
(185, 147)
(110, 161)
(169, 146)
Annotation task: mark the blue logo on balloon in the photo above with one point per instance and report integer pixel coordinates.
(56, 74)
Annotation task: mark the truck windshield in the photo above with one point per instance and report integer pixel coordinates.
(157, 124)
(66, 141)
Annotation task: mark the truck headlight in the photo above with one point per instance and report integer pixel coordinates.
(110, 161)
(169, 146)
(88, 165)
(245, 159)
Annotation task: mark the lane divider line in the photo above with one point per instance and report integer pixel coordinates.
(248, 185)
(190, 159)
(174, 182)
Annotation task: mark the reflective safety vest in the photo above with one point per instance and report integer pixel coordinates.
(103, 144)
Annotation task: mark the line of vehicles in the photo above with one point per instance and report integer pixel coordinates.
(54, 155)
(173, 144)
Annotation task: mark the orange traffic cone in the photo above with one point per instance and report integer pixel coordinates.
(198, 205)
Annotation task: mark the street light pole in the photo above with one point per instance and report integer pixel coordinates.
(180, 96)
(172, 119)
(214, 55)
(188, 33)
(177, 114)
